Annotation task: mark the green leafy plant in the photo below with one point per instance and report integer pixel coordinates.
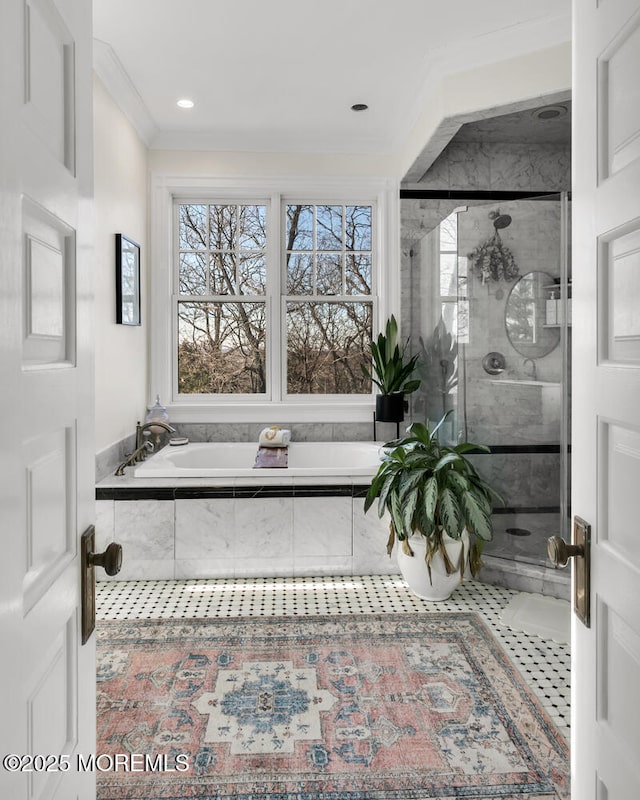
(392, 370)
(430, 489)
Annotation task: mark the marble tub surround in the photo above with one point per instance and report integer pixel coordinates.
(300, 431)
(278, 536)
(195, 530)
(191, 530)
(107, 460)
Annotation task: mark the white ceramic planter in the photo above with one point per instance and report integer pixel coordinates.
(416, 574)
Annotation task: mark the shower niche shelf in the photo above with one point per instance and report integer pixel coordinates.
(555, 305)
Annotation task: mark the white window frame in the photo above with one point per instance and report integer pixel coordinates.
(382, 194)
(284, 298)
(176, 298)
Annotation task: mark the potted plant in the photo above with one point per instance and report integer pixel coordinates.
(439, 509)
(392, 372)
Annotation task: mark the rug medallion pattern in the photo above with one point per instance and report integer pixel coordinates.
(370, 707)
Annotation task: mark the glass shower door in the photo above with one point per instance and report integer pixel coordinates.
(488, 310)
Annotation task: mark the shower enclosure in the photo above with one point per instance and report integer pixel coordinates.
(486, 301)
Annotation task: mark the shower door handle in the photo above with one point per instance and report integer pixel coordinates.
(560, 552)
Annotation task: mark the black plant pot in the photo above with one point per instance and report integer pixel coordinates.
(390, 407)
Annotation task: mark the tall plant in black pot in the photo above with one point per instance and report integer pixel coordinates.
(391, 372)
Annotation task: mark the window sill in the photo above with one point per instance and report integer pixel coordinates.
(327, 411)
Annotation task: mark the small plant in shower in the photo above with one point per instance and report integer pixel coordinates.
(439, 509)
(391, 371)
(491, 260)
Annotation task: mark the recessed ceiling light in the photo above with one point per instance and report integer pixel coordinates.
(185, 103)
(549, 112)
(359, 107)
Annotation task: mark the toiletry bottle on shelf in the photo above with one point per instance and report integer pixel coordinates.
(552, 310)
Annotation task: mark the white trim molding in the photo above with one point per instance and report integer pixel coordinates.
(117, 82)
(382, 192)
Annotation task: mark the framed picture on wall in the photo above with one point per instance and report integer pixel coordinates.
(127, 281)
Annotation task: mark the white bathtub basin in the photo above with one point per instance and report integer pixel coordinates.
(236, 460)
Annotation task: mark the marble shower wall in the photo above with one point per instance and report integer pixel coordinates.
(510, 413)
(496, 413)
(501, 167)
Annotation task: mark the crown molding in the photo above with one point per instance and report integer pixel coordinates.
(113, 75)
(270, 142)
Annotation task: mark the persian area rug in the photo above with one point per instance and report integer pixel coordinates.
(368, 707)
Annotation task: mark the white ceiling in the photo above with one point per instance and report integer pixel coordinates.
(281, 75)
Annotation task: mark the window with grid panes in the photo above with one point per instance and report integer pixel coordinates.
(320, 325)
(328, 298)
(221, 307)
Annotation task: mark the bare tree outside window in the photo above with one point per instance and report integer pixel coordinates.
(329, 309)
(222, 316)
(327, 344)
(222, 342)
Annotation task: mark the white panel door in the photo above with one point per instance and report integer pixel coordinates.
(606, 394)
(47, 677)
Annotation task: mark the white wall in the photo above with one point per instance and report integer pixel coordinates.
(120, 207)
(254, 165)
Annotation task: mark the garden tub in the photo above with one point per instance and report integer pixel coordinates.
(236, 460)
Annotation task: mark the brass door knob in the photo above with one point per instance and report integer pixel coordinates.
(560, 552)
(110, 560)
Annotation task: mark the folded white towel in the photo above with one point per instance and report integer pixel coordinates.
(274, 437)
